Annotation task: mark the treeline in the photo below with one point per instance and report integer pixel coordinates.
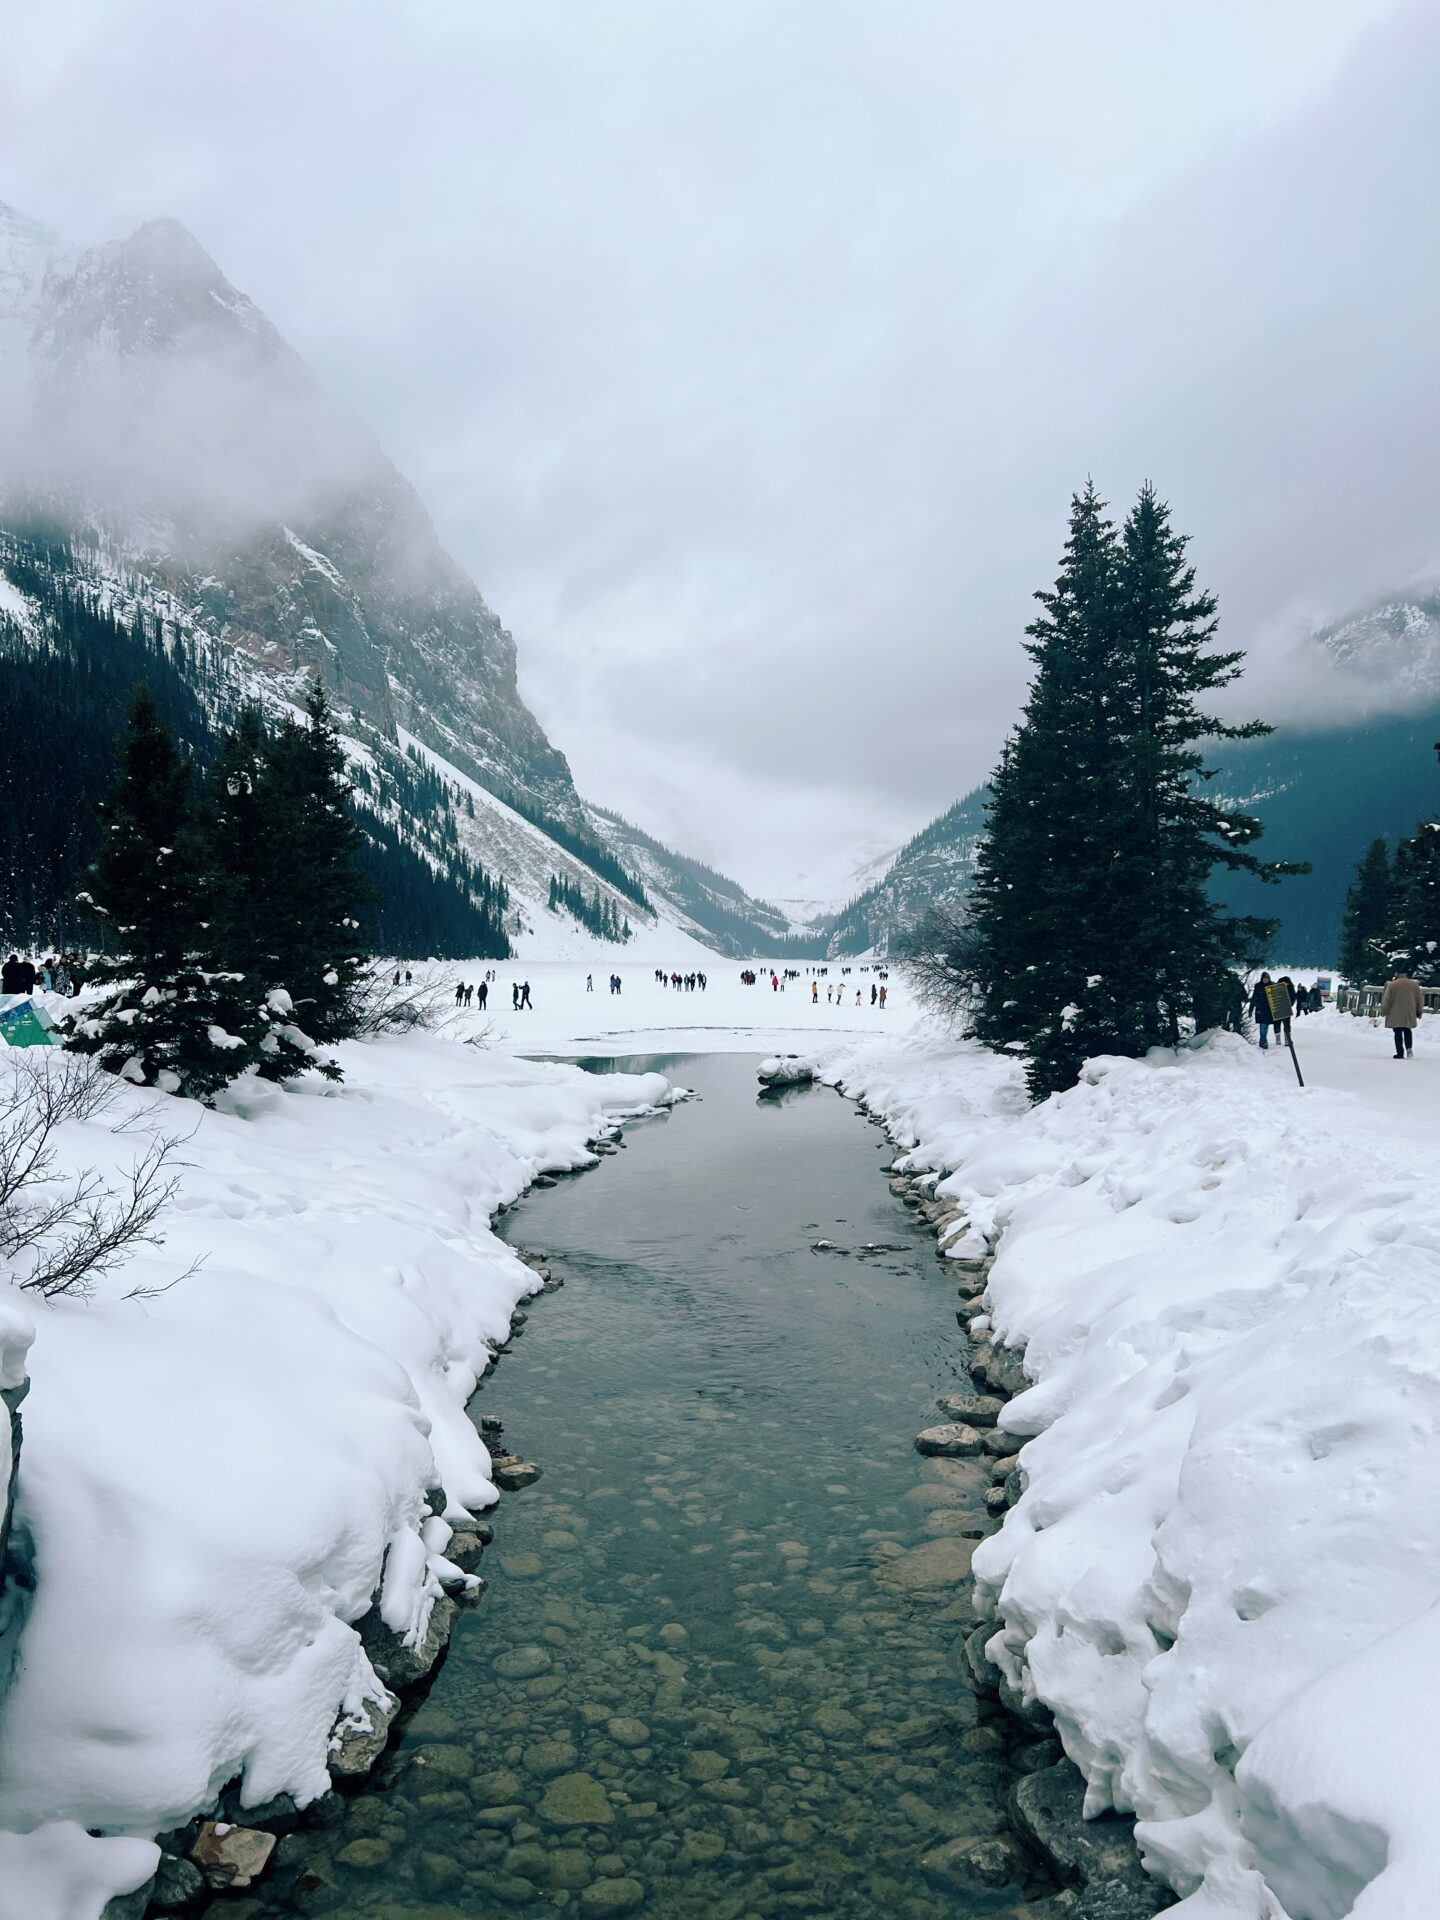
(599, 915)
(1090, 928)
(585, 849)
(70, 668)
(1392, 911)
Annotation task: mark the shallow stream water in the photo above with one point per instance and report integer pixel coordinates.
(719, 1672)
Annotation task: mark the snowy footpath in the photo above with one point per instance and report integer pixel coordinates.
(219, 1477)
(1222, 1577)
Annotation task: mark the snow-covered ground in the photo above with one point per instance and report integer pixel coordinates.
(218, 1477)
(1224, 1573)
(727, 1017)
(1222, 1577)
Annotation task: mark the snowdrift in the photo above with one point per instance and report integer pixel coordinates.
(1223, 1575)
(218, 1478)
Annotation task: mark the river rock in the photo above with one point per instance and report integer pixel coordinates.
(522, 1663)
(444, 1763)
(438, 1873)
(974, 1409)
(984, 1675)
(1048, 1807)
(968, 1864)
(1001, 1443)
(231, 1856)
(521, 1566)
(938, 1563)
(366, 1853)
(499, 1788)
(997, 1500)
(398, 1664)
(626, 1732)
(128, 1906)
(953, 1441)
(612, 1896)
(355, 1749)
(545, 1758)
(179, 1885)
(510, 1473)
(576, 1800)
(704, 1764)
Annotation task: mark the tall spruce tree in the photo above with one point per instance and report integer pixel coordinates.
(240, 848)
(308, 908)
(1180, 949)
(1092, 928)
(1366, 925)
(1040, 912)
(169, 1021)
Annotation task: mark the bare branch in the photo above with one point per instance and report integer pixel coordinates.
(59, 1232)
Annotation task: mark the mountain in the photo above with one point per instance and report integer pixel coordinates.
(1323, 791)
(167, 459)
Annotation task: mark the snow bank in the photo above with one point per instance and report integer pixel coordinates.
(216, 1477)
(1223, 1575)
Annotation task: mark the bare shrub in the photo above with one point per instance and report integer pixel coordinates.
(423, 1006)
(938, 958)
(59, 1232)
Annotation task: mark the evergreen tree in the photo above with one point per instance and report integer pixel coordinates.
(169, 1023)
(1180, 949)
(1368, 912)
(1091, 927)
(240, 848)
(1413, 941)
(309, 904)
(1039, 911)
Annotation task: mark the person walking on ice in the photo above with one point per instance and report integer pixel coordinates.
(814, 993)
(1401, 1006)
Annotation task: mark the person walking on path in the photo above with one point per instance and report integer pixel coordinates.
(1282, 1004)
(1401, 1006)
(1260, 1007)
(814, 993)
(589, 983)
(514, 996)
(525, 994)
(482, 994)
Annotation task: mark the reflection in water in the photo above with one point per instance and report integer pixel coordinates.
(719, 1670)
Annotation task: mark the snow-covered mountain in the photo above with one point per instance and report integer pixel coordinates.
(157, 426)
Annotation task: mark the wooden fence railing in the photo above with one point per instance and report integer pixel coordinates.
(1364, 1002)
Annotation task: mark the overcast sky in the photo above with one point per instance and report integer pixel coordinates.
(747, 351)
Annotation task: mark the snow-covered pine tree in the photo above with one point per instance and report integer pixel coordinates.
(169, 1022)
(1040, 907)
(1180, 948)
(1413, 942)
(1091, 926)
(1366, 923)
(239, 848)
(309, 907)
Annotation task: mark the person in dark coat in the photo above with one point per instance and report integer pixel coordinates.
(1260, 1007)
(12, 975)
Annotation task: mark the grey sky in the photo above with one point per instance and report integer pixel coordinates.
(747, 352)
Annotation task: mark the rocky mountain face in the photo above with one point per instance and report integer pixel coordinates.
(157, 428)
(156, 408)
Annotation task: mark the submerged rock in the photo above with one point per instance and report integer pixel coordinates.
(576, 1800)
(953, 1441)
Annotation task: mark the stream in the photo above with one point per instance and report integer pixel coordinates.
(719, 1672)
